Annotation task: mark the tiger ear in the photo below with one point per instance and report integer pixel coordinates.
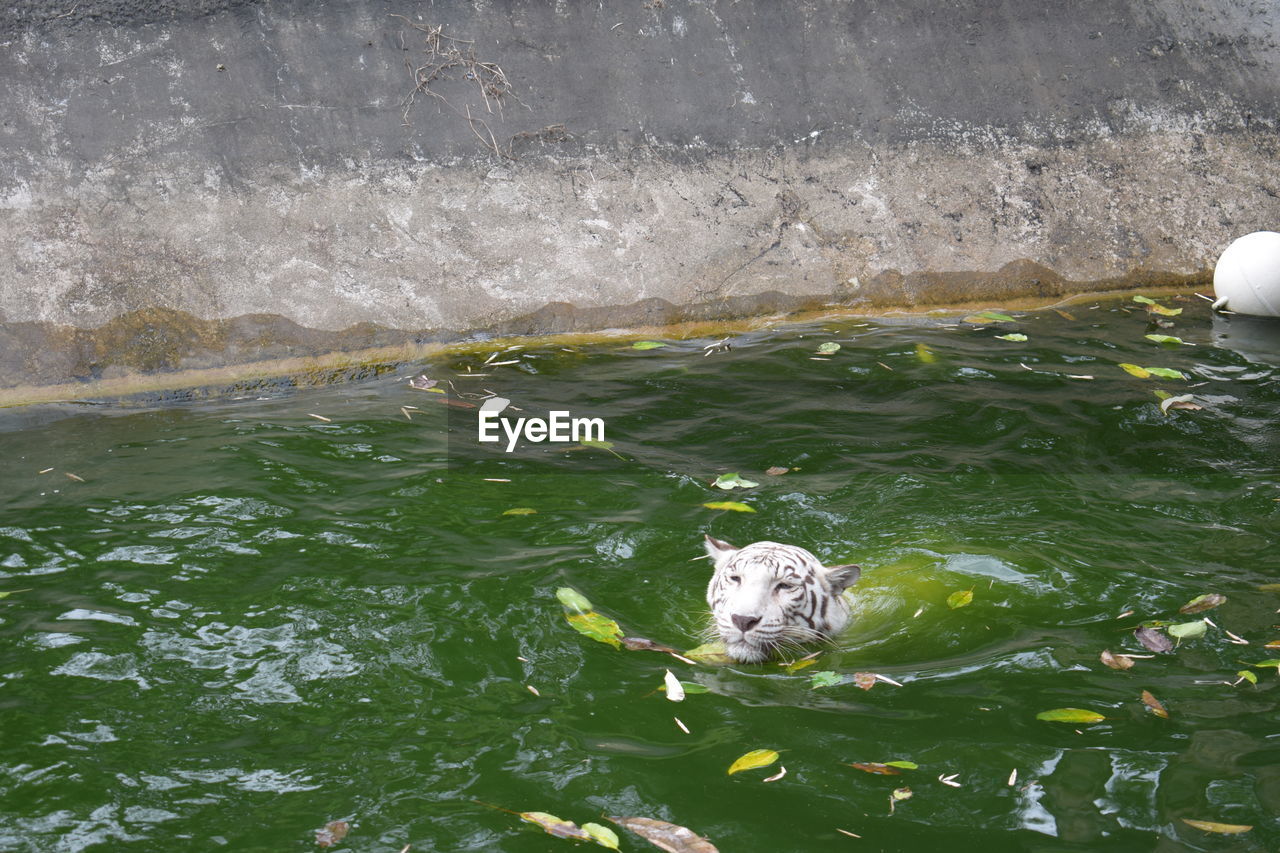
(843, 577)
(717, 550)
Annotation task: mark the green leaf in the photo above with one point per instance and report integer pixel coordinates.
(596, 626)
(648, 345)
(905, 765)
(1166, 339)
(1070, 715)
(829, 348)
(827, 678)
(1165, 312)
(521, 510)
(1015, 336)
(1134, 370)
(1187, 630)
(602, 835)
(1272, 662)
(1145, 300)
(960, 598)
(600, 444)
(733, 481)
(983, 317)
(1166, 373)
(1247, 676)
(573, 600)
(733, 505)
(710, 653)
(752, 760)
(1201, 603)
(553, 825)
(925, 354)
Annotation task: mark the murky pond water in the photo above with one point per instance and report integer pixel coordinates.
(244, 622)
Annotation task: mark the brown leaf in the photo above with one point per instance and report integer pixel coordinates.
(1154, 704)
(666, 836)
(1214, 826)
(1116, 661)
(642, 644)
(876, 768)
(334, 831)
(865, 680)
(1153, 639)
(776, 471)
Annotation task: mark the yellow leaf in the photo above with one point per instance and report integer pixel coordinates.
(925, 354)
(1134, 370)
(599, 628)
(753, 759)
(521, 510)
(1212, 826)
(553, 825)
(733, 505)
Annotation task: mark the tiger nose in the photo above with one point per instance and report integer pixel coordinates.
(745, 623)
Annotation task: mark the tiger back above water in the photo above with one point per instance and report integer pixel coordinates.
(768, 596)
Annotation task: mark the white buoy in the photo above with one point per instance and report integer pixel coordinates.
(1246, 279)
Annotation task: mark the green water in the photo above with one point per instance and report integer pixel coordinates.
(247, 622)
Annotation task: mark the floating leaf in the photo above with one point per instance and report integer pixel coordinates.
(668, 836)
(732, 505)
(905, 765)
(1166, 339)
(829, 348)
(776, 471)
(983, 317)
(1247, 676)
(648, 345)
(1016, 337)
(898, 795)
(876, 768)
(1134, 370)
(865, 680)
(602, 835)
(1182, 401)
(1187, 630)
(1201, 603)
(1070, 715)
(710, 653)
(675, 692)
(1116, 661)
(573, 600)
(1145, 300)
(1221, 828)
(1272, 662)
(521, 510)
(596, 626)
(334, 831)
(1166, 372)
(825, 679)
(1163, 311)
(553, 825)
(960, 598)
(753, 759)
(925, 354)
(733, 481)
(643, 644)
(600, 444)
(1154, 704)
(1153, 639)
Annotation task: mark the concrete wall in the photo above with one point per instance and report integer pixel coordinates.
(194, 183)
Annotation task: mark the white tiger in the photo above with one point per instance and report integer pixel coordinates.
(767, 596)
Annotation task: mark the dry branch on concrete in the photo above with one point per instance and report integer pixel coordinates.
(449, 58)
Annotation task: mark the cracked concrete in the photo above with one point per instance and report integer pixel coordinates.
(192, 184)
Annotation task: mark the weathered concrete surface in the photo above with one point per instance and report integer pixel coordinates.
(189, 184)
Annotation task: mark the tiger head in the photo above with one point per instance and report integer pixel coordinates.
(767, 596)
